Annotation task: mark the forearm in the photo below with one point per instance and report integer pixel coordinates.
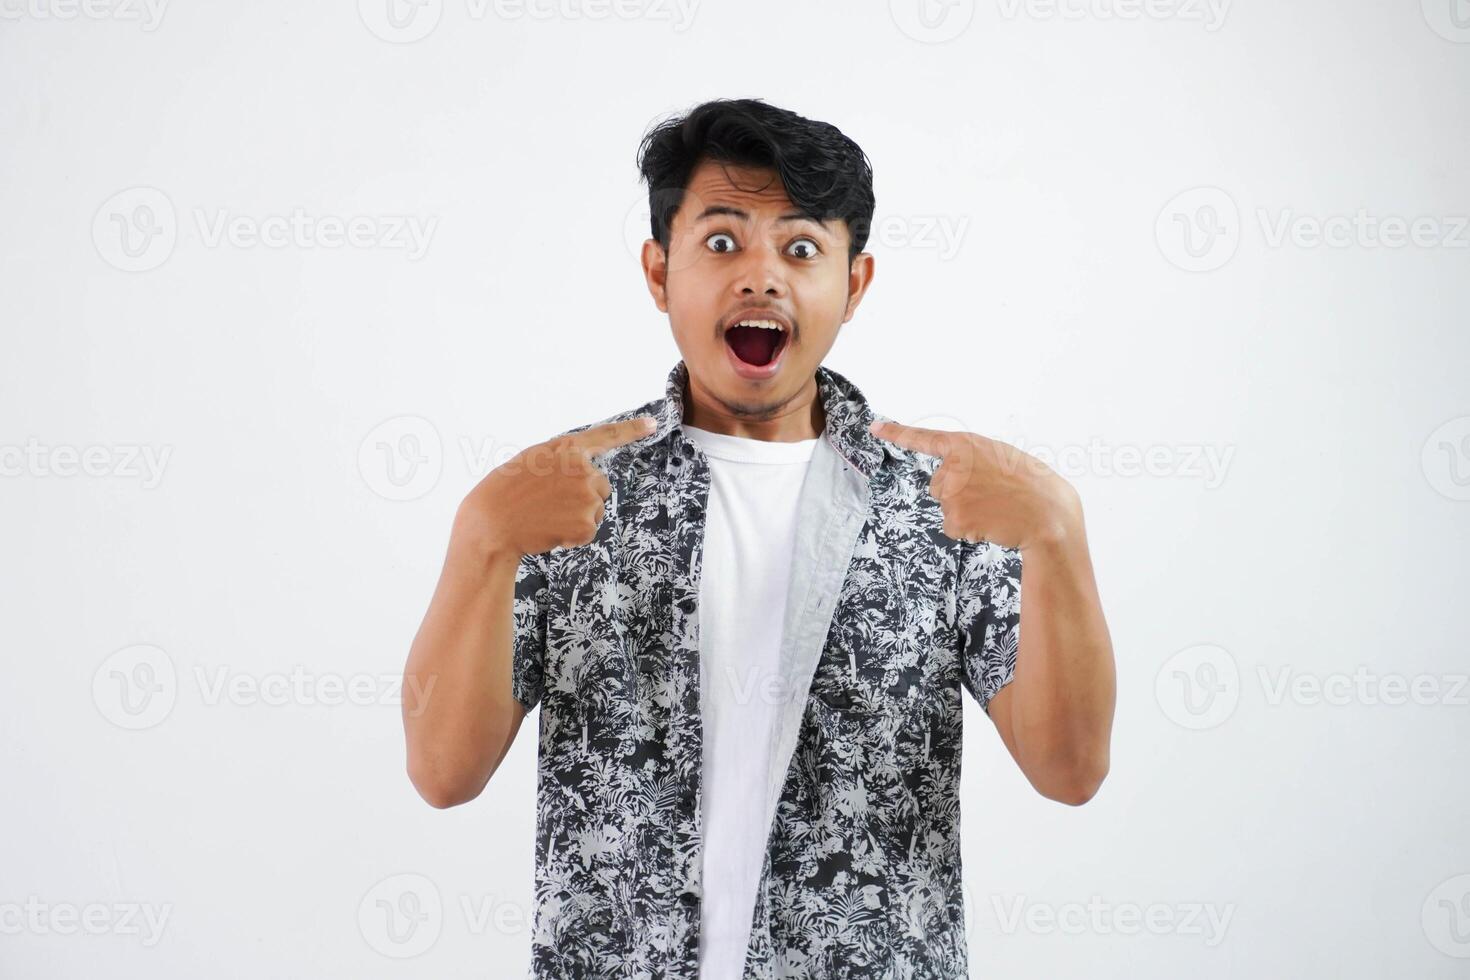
(459, 716)
(1064, 690)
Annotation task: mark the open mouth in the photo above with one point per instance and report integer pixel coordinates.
(757, 342)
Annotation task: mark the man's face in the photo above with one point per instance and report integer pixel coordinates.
(739, 251)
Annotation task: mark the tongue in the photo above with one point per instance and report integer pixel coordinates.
(753, 345)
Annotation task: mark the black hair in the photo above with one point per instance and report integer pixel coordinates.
(825, 174)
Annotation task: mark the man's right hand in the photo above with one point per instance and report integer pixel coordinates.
(550, 495)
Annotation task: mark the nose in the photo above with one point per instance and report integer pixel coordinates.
(762, 271)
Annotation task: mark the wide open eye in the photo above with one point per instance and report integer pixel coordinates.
(812, 251)
(709, 242)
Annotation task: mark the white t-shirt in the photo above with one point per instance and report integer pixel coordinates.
(749, 533)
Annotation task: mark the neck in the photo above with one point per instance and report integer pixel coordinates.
(799, 417)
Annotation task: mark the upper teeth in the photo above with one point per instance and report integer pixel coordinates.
(763, 324)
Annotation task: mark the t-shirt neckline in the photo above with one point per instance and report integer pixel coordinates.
(739, 449)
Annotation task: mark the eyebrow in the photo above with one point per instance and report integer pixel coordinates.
(718, 209)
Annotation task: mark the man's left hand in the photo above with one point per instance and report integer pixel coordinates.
(991, 491)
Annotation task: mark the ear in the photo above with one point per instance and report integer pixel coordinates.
(656, 273)
(859, 277)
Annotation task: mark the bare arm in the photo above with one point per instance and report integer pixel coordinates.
(1056, 715)
(458, 713)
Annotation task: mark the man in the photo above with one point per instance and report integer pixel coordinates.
(748, 626)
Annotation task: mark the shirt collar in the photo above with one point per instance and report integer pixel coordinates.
(847, 411)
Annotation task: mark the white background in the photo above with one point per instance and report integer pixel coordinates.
(289, 394)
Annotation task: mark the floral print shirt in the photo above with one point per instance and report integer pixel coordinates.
(886, 620)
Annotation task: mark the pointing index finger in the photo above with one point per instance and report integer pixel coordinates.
(600, 438)
(933, 442)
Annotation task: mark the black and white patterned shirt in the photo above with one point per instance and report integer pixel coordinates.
(886, 620)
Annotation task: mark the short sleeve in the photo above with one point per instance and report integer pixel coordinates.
(988, 609)
(528, 656)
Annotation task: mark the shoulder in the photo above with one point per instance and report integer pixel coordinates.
(647, 408)
(849, 413)
(905, 463)
(636, 448)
